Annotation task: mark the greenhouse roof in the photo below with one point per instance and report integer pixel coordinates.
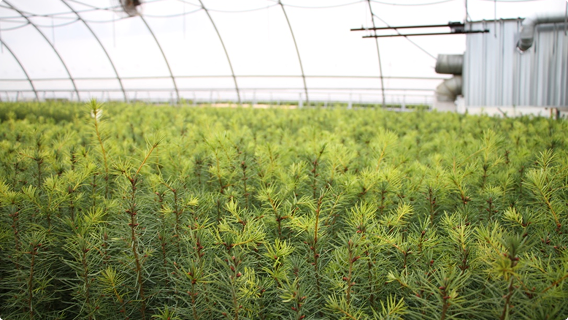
(227, 50)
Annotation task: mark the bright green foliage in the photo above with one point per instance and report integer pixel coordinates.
(155, 212)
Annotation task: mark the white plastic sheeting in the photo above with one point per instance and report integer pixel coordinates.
(223, 50)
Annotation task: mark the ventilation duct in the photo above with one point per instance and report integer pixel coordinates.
(449, 90)
(449, 64)
(529, 24)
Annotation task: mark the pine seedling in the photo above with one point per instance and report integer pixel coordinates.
(83, 247)
(96, 113)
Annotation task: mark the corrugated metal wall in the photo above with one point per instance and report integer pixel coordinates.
(496, 73)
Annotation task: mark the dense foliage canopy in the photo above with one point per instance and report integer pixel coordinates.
(136, 212)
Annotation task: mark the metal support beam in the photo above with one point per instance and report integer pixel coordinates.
(453, 25)
(297, 51)
(425, 34)
(50, 44)
(102, 47)
(23, 69)
(163, 55)
(224, 48)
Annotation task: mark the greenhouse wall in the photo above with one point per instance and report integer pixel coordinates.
(496, 73)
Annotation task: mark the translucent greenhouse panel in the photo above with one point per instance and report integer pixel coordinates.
(259, 42)
(317, 37)
(198, 52)
(258, 88)
(12, 76)
(162, 83)
(197, 83)
(39, 8)
(41, 61)
(91, 84)
(128, 43)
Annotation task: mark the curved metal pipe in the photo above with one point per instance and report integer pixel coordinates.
(378, 54)
(297, 50)
(224, 48)
(163, 55)
(51, 45)
(102, 47)
(529, 25)
(449, 89)
(23, 69)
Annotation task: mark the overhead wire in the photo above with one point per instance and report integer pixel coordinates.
(229, 11)
(414, 43)
(56, 14)
(107, 8)
(412, 4)
(378, 54)
(320, 7)
(240, 11)
(511, 0)
(172, 15)
(57, 25)
(60, 15)
(99, 21)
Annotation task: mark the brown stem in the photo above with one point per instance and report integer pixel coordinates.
(39, 162)
(86, 280)
(507, 300)
(97, 124)
(244, 179)
(31, 283)
(133, 238)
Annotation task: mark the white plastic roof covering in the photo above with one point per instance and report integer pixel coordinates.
(219, 50)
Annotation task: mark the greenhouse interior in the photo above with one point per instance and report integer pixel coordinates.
(273, 52)
(284, 159)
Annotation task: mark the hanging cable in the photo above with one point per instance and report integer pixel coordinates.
(325, 7)
(51, 15)
(495, 18)
(53, 26)
(378, 53)
(412, 4)
(108, 8)
(513, 0)
(466, 12)
(190, 3)
(224, 49)
(172, 15)
(407, 38)
(113, 30)
(227, 11)
(297, 50)
(52, 31)
(240, 11)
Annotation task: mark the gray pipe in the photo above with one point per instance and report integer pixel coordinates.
(450, 89)
(530, 23)
(449, 64)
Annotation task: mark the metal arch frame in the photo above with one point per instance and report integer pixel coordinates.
(378, 53)
(52, 47)
(224, 48)
(297, 50)
(163, 55)
(23, 69)
(102, 47)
